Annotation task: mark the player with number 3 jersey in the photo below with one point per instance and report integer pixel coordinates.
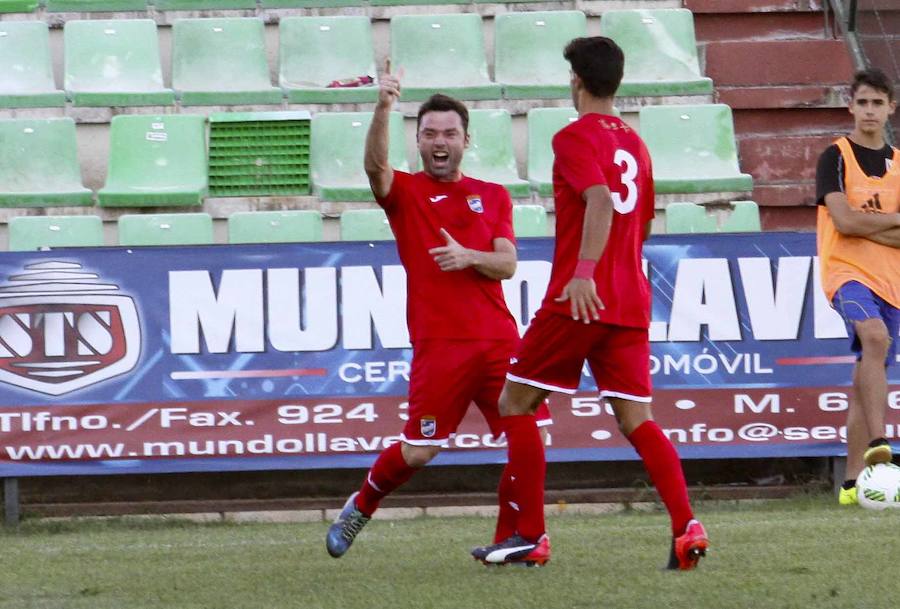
(597, 308)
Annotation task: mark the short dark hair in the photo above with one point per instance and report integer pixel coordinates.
(444, 103)
(598, 62)
(872, 77)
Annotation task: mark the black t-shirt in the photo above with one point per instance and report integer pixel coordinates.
(830, 170)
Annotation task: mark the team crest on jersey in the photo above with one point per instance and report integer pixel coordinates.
(475, 205)
(62, 329)
(428, 426)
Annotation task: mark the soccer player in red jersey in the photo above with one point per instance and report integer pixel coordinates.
(455, 240)
(597, 308)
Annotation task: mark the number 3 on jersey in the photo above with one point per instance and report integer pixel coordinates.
(628, 163)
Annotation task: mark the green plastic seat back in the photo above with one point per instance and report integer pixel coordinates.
(40, 156)
(296, 226)
(528, 47)
(529, 221)
(365, 225)
(165, 229)
(18, 6)
(198, 5)
(688, 218)
(693, 144)
(744, 218)
(543, 124)
(490, 155)
(660, 51)
(338, 145)
(86, 6)
(155, 155)
(219, 55)
(315, 51)
(112, 56)
(25, 65)
(439, 50)
(34, 232)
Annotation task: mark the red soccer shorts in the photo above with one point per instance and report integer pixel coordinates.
(555, 347)
(448, 375)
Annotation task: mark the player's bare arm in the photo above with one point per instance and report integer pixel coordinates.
(376, 163)
(648, 228)
(497, 264)
(854, 223)
(889, 237)
(581, 291)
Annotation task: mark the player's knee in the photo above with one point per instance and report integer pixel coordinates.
(630, 415)
(419, 456)
(873, 336)
(509, 406)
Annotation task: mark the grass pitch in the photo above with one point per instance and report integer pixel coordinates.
(798, 553)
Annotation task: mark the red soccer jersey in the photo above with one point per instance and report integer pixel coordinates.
(455, 304)
(602, 150)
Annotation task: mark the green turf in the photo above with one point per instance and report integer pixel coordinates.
(803, 553)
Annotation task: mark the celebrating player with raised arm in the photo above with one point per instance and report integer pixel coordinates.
(455, 240)
(597, 308)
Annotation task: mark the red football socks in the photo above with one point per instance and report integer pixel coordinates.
(662, 463)
(527, 469)
(388, 473)
(506, 518)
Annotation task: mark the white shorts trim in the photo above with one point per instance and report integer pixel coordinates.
(625, 396)
(539, 385)
(443, 442)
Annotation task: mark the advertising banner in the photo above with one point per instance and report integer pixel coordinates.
(294, 356)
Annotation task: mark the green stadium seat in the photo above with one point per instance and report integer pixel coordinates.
(18, 6)
(26, 72)
(166, 229)
(114, 63)
(155, 161)
(309, 3)
(490, 154)
(528, 52)
(221, 62)
(87, 6)
(297, 226)
(365, 225)
(34, 232)
(688, 218)
(693, 149)
(530, 221)
(660, 52)
(543, 124)
(338, 143)
(39, 164)
(316, 51)
(441, 53)
(744, 218)
(200, 5)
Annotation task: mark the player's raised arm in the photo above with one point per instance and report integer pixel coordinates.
(376, 162)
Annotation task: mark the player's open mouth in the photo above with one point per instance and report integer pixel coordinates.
(440, 158)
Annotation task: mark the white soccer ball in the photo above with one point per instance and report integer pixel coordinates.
(878, 486)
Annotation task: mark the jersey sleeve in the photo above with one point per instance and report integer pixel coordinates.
(503, 229)
(401, 183)
(829, 173)
(577, 161)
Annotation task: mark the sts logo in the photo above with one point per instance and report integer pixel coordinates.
(61, 329)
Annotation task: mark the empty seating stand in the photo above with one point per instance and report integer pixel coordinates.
(688, 218)
(87, 6)
(296, 226)
(26, 73)
(338, 144)
(114, 63)
(166, 229)
(365, 225)
(221, 62)
(490, 155)
(441, 53)
(530, 221)
(693, 149)
(543, 124)
(528, 51)
(316, 51)
(39, 164)
(156, 161)
(18, 6)
(660, 49)
(35, 232)
(199, 5)
(744, 218)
